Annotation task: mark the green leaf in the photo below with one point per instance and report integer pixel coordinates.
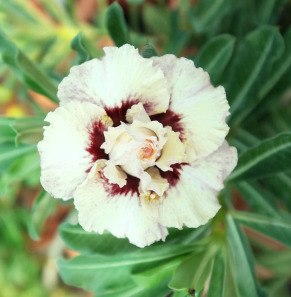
(239, 262)
(268, 157)
(207, 14)
(193, 272)
(215, 55)
(29, 130)
(86, 243)
(24, 168)
(160, 290)
(8, 154)
(268, 12)
(259, 199)
(178, 37)
(216, 286)
(43, 206)
(100, 273)
(252, 67)
(78, 45)
(154, 273)
(116, 24)
(156, 19)
(280, 186)
(275, 228)
(7, 135)
(31, 75)
(135, 1)
(148, 51)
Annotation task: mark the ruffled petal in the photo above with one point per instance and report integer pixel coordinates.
(99, 209)
(200, 107)
(192, 201)
(64, 154)
(158, 185)
(120, 77)
(137, 113)
(114, 174)
(173, 151)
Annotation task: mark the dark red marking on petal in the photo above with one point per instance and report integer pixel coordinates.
(118, 113)
(96, 138)
(172, 119)
(173, 177)
(131, 187)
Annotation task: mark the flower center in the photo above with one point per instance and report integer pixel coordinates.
(149, 151)
(139, 148)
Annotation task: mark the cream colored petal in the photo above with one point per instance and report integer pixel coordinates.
(138, 133)
(101, 208)
(192, 200)
(201, 107)
(64, 153)
(137, 113)
(156, 127)
(111, 137)
(122, 76)
(173, 151)
(158, 184)
(115, 174)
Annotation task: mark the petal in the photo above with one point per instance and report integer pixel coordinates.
(158, 184)
(137, 113)
(122, 75)
(65, 157)
(111, 136)
(192, 201)
(173, 151)
(201, 108)
(154, 126)
(122, 215)
(115, 174)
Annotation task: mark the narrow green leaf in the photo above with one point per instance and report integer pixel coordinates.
(31, 75)
(240, 264)
(259, 199)
(22, 169)
(86, 243)
(99, 273)
(161, 290)
(275, 228)
(280, 186)
(154, 273)
(268, 157)
(268, 12)
(116, 24)
(29, 130)
(156, 19)
(215, 55)
(148, 51)
(252, 67)
(216, 286)
(78, 45)
(208, 13)
(193, 272)
(178, 36)
(8, 154)
(43, 206)
(135, 1)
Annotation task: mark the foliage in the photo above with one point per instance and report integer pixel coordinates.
(245, 46)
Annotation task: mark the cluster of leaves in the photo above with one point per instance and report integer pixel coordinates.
(245, 46)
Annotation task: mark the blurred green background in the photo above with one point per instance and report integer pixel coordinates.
(213, 34)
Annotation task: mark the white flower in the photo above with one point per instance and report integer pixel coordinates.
(139, 144)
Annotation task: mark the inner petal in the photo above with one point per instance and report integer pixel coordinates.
(136, 148)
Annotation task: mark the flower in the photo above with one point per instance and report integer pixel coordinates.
(139, 143)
